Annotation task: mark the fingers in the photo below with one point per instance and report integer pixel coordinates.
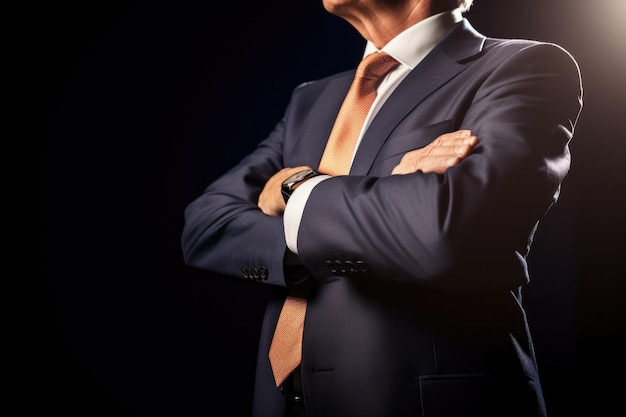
(459, 143)
(450, 150)
(444, 152)
(413, 162)
(459, 137)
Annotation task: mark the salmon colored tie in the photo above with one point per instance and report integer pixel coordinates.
(286, 349)
(337, 157)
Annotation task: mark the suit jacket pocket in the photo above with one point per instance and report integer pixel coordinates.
(397, 145)
(464, 395)
(478, 395)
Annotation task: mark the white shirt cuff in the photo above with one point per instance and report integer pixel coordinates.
(294, 209)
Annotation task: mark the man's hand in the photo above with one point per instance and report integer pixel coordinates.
(271, 200)
(447, 150)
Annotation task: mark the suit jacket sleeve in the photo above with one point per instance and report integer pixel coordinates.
(473, 225)
(224, 229)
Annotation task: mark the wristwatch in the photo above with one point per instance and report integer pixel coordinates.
(293, 181)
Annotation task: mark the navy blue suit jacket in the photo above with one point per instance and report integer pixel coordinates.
(415, 304)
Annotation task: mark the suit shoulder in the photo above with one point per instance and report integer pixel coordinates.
(513, 46)
(308, 92)
(541, 53)
(320, 82)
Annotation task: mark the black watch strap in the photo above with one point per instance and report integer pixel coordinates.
(293, 181)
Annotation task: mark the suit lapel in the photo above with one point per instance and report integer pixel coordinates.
(321, 117)
(437, 68)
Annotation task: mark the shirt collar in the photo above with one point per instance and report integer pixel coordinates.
(412, 45)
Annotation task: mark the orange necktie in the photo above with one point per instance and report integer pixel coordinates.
(286, 349)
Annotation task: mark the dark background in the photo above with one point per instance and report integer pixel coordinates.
(139, 104)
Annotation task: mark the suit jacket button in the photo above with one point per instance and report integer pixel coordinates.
(362, 266)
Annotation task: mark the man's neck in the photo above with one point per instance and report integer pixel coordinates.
(387, 20)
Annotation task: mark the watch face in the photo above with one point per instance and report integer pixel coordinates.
(289, 183)
(302, 175)
(295, 178)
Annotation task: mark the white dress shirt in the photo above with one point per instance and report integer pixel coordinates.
(408, 48)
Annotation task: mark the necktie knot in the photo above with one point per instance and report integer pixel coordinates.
(374, 66)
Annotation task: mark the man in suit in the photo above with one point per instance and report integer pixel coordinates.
(412, 264)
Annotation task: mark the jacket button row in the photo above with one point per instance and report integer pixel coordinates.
(254, 273)
(346, 267)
